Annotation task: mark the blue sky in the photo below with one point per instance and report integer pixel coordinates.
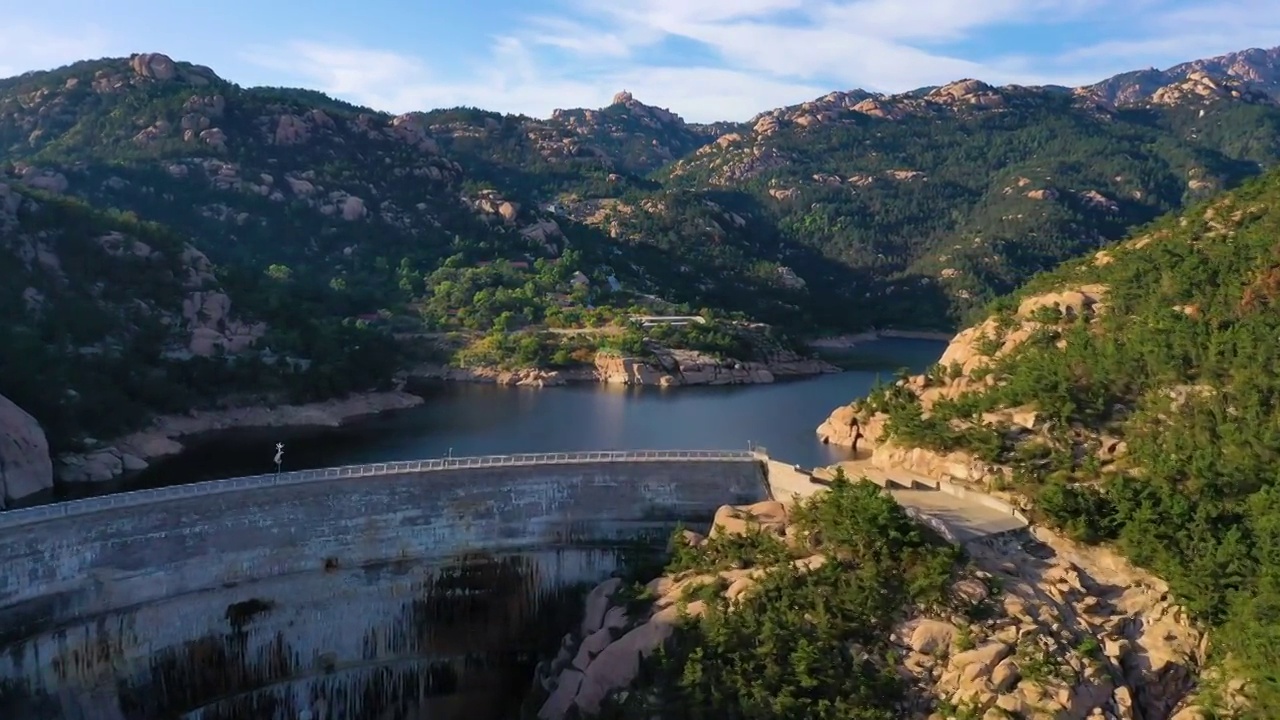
(704, 59)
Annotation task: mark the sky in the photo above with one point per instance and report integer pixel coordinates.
(706, 60)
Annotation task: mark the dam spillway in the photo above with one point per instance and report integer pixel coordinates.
(395, 590)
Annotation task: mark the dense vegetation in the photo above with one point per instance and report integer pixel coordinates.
(1181, 367)
(803, 644)
(354, 235)
(1025, 211)
(93, 339)
(910, 221)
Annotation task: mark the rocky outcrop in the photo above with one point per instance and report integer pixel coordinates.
(1077, 629)
(1074, 632)
(846, 428)
(961, 370)
(1255, 69)
(525, 377)
(25, 467)
(213, 329)
(1200, 88)
(688, 367)
(667, 368)
(1036, 626)
(604, 656)
(133, 452)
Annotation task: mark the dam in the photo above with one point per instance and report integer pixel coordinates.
(392, 591)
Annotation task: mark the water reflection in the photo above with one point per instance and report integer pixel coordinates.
(470, 419)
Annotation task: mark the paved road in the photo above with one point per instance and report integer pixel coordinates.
(967, 520)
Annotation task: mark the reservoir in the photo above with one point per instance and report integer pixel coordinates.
(465, 419)
(422, 593)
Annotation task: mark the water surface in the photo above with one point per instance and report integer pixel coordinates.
(470, 419)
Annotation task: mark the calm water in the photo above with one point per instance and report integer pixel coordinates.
(465, 419)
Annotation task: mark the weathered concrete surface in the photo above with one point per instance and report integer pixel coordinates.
(411, 589)
(963, 517)
(966, 520)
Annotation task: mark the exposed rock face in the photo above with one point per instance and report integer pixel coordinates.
(1199, 87)
(154, 66)
(1147, 653)
(25, 467)
(604, 656)
(969, 352)
(1066, 632)
(41, 179)
(845, 428)
(1075, 632)
(208, 317)
(1256, 69)
(687, 367)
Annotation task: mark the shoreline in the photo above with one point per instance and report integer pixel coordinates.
(164, 435)
(844, 342)
(161, 438)
(618, 370)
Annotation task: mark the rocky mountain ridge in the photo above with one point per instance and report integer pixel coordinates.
(1256, 68)
(229, 154)
(325, 222)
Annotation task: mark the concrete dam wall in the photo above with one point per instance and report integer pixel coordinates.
(419, 589)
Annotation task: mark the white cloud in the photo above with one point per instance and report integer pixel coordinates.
(516, 82)
(752, 54)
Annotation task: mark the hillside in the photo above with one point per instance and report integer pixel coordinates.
(354, 242)
(1257, 68)
(851, 200)
(1129, 398)
(106, 320)
(841, 606)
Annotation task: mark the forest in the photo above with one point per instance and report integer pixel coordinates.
(1180, 367)
(803, 645)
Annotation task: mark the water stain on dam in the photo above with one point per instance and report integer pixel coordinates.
(352, 599)
(464, 647)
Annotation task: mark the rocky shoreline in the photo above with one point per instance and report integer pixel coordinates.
(135, 451)
(107, 460)
(669, 368)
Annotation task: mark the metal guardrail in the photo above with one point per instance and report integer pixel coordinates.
(16, 518)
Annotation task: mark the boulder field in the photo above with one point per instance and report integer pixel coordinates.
(1066, 632)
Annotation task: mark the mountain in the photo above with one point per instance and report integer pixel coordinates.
(857, 195)
(106, 320)
(1130, 398)
(333, 226)
(1257, 69)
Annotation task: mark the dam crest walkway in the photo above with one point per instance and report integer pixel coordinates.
(960, 516)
